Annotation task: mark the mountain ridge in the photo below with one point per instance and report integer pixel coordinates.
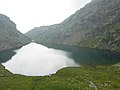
(10, 37)
(97, 25)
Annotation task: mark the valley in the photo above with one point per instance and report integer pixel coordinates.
(96, 25)
(80, 53)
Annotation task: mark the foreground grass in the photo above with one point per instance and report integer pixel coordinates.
(74, 78)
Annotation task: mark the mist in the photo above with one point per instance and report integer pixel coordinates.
(28, 14)
(37, 60)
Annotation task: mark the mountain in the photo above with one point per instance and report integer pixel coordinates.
(97, 25)
(10, 37)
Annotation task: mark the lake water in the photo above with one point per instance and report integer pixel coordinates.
(38, 60)
(35, 59)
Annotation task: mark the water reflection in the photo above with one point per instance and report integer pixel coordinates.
(6, 55)
(35, 59)
(88, 56)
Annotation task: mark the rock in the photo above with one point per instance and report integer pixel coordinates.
(99, 18)
(10, 37)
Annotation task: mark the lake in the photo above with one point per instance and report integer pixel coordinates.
(39, 60)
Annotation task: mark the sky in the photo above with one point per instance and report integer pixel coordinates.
(28, 14)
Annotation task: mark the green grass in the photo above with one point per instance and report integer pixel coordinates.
(91, 42)
(72, 78)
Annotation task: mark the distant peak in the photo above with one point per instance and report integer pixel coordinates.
(4, 16)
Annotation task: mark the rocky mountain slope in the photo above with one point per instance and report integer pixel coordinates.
(96, 25)
(10, 37)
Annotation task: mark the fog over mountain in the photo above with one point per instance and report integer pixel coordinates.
(31, 13)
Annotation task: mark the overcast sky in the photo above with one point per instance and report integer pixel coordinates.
(28, 14)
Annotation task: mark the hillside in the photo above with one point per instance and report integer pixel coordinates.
(10, 37)
(96, 25)
(74, 78)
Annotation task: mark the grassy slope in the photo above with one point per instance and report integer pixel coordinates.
(76, 78)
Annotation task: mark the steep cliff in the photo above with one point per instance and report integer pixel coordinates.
(96, 25)
(10, 37)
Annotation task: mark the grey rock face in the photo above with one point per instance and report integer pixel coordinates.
(96, 25)
(10, 37)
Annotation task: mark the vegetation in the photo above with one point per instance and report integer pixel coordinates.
(73, 78)
(90, 42)
(95, 25)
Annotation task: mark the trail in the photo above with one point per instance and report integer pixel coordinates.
(91, 83)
